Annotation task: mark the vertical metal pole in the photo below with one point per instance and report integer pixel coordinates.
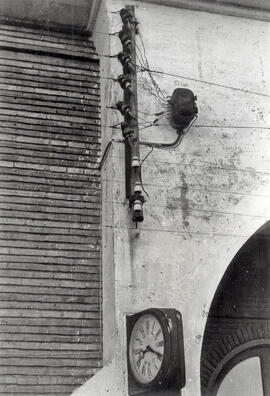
(134, 139)
(128, 157)
(129, 109)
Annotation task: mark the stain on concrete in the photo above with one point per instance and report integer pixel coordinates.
(199, 53)
(205, 312)
(206, 218)
(173, 203)
(184, 202)
(198, 338)
(262, 70)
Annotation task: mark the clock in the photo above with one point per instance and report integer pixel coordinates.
(146, 348)
(155, 351)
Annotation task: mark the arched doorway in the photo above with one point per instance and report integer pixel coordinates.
(235, 357)
(246, 372)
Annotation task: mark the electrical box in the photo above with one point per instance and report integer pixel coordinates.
(183, 108)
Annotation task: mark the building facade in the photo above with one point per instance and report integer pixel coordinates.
(200, 248)
(203, 247)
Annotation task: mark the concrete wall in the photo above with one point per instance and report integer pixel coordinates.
(206, 198)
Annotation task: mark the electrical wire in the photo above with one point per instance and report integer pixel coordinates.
(153, 123)
(116, 126)
(140, 58)
(204, 187)
(166, 113)
(141, 164)
(141, 118)
(139, 111)
(220, 126)
(231, 127)
(216, 126)
(140, 84)
(157, 88)
(194, 79)
(159, 96)
(179, 232)
(160, 100)
(147, 155)
(172, 145)
(107, 56)
(205, 82)
(99, 32)
(208, 165)
(142, 70)
(105, 154)
(180, 135)
(153, 114)
(149, 70)
(147, 126)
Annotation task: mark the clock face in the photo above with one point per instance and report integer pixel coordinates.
(146, 349)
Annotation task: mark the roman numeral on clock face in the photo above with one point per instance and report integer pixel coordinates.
(141, 329)
(160, 344)
(153, 328)
(157, 334)
(160, 357)
(143, 369)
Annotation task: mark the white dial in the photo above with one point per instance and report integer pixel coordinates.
(146, 348)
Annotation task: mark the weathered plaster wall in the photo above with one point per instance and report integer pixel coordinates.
(208, 196)
(73, 14)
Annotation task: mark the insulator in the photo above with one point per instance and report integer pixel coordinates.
(125, 60)
(137, 205)
(124, 82)
(138, 188)
(135, 162)
(123, 108)
(125, 38)
(127, 130)
(137, 211)
(125, 15)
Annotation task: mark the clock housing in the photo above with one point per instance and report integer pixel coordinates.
(155, 352)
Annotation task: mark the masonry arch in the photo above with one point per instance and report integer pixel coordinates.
(238, 324)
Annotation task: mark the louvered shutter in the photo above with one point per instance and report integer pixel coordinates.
(50, 284)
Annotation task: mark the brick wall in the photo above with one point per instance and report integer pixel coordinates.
(50, 332)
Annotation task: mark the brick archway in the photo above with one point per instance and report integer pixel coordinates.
(235, 356)
(227, 348)
(239, 316)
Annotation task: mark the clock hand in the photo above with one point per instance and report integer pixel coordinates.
(141, 356)
(150, 349)
(141, 353)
